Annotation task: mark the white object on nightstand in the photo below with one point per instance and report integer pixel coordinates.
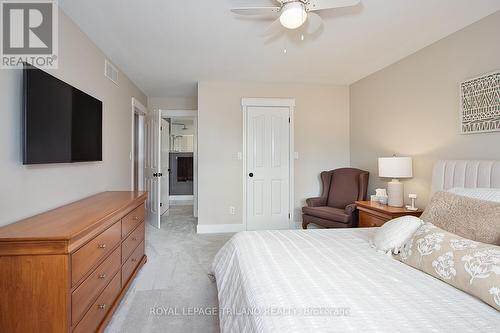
(381, 196)
(413, 198)
(395, 168)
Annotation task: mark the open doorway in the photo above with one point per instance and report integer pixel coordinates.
(182, 160)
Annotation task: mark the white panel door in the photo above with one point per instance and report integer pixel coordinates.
(268, 168)
(152, 169)
(165, 160)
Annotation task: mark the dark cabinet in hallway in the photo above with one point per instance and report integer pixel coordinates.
(181, 173)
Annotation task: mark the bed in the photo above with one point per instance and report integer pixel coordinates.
(325, 280)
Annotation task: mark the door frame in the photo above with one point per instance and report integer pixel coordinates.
(191, 114)
(139, 109)
(289, 103)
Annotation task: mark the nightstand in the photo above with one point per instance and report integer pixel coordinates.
(374, 214)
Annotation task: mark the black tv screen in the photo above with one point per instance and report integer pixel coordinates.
(61, 123)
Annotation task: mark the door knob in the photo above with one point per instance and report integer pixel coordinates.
(250, 174)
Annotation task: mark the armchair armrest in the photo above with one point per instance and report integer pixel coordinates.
(316, 202)
(350, 209)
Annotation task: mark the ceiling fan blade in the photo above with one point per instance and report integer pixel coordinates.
(314, 5)
(314, 23)
(256, 10)
(273, 28)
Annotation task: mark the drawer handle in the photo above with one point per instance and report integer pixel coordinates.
(134, 239)
(102, 276)
(134, 260)
(101, 306)
(101, 246)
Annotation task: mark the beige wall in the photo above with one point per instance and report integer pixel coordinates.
(27, 190)
(173, 103)
(412, 107)
(321, 138)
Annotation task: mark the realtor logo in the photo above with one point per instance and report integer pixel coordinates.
(29, 33)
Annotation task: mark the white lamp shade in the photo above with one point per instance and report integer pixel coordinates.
(395, 167)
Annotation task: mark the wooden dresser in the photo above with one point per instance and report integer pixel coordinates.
(374, 214)
(66, 270)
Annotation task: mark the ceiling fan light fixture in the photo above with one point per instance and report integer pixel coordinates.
(293, 15)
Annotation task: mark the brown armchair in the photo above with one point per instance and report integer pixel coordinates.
(336, 208)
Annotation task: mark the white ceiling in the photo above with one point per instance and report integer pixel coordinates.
(167, 46)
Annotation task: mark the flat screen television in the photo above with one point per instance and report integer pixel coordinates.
(61, 124)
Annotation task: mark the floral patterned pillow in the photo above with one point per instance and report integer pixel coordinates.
(465, 264)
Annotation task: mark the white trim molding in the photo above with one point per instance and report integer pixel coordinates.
(181, 197)
(140, 109)
(289, 103)
(179, 113)
(219, 228)
(277, 102)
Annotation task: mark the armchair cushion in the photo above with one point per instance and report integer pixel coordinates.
(327, 213)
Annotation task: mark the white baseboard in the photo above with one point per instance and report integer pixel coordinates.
(219, 228)
(181, 197)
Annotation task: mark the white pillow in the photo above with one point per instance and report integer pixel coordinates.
(394, 234)
(487, 194)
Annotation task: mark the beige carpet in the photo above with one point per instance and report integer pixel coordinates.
(173, 287)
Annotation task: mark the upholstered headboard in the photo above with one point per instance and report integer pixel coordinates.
(465, 173)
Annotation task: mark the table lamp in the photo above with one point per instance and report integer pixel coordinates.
(395, 168)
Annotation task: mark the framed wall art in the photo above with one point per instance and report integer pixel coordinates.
(480, 104)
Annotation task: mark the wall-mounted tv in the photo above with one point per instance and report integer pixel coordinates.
(61, 124)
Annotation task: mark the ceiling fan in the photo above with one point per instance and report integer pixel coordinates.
(294, 13)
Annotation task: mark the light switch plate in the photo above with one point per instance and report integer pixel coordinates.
(296, 155)
(239, 156)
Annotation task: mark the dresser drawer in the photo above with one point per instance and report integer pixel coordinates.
(132, 262)
(101, 306)
(89, 254)
(130, 221)
(84, 295)
(367, 220)
(134, 239)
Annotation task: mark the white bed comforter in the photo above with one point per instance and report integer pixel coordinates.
(272, 281)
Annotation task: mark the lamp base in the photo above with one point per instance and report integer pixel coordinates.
(395, 191)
